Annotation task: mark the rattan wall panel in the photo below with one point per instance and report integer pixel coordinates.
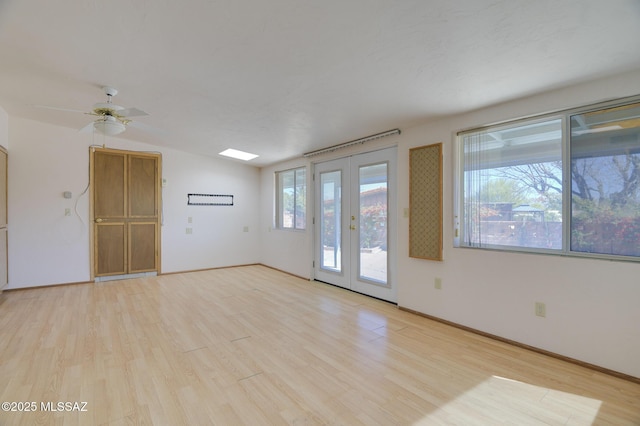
(425, 202)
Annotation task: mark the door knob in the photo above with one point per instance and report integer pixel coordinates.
(98, 220)
(353, 227)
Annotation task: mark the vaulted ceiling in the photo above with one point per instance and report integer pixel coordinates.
(282, 77)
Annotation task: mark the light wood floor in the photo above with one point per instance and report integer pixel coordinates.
(254, 346)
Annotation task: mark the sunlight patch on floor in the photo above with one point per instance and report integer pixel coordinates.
(514, 402)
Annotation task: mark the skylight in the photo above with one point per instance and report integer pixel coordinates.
(240, 155)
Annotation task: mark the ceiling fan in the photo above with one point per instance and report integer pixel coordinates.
(112, 119)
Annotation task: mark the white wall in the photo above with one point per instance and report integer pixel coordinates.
(219, 237)
(4, 128)
(592, 305)
(46, 247)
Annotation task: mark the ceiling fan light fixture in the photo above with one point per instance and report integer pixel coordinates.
(109, 126)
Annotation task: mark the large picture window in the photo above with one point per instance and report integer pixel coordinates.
(605, 181)
(567, 183)
(512, 188)
(291, 196)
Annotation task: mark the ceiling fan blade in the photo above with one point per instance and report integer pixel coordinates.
(58, 108)
(87, 129)
(131, 112)
(145, 127)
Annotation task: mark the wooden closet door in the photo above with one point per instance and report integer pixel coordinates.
(110, 213)
(126, 220)
(143, 213)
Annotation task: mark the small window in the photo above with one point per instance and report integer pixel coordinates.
(291, 198)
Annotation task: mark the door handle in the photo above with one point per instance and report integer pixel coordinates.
(98, 220)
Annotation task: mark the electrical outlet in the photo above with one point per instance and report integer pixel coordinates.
(437, 283)
(541, 309)
(189, 230)
(245, 229)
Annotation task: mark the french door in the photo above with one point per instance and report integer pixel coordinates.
(355, 223)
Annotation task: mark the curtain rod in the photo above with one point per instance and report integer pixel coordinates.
(353, 142)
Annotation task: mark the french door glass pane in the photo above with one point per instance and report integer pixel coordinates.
(330, 226)
(373, 222)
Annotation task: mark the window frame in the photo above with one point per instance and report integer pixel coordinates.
(567, 202)
(279, 199)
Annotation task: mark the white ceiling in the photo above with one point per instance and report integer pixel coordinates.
(282, 77)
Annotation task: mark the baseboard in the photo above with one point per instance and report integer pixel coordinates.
(162, 273)
(285, 272)
(207, 269)
(528, 347)
(35, 287)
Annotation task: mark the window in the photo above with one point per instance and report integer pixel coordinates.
(605, 181)
(513, 186)
(518, 193)
(291, 197)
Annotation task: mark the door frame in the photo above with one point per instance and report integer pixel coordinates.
(158, 156)
(349, 279)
